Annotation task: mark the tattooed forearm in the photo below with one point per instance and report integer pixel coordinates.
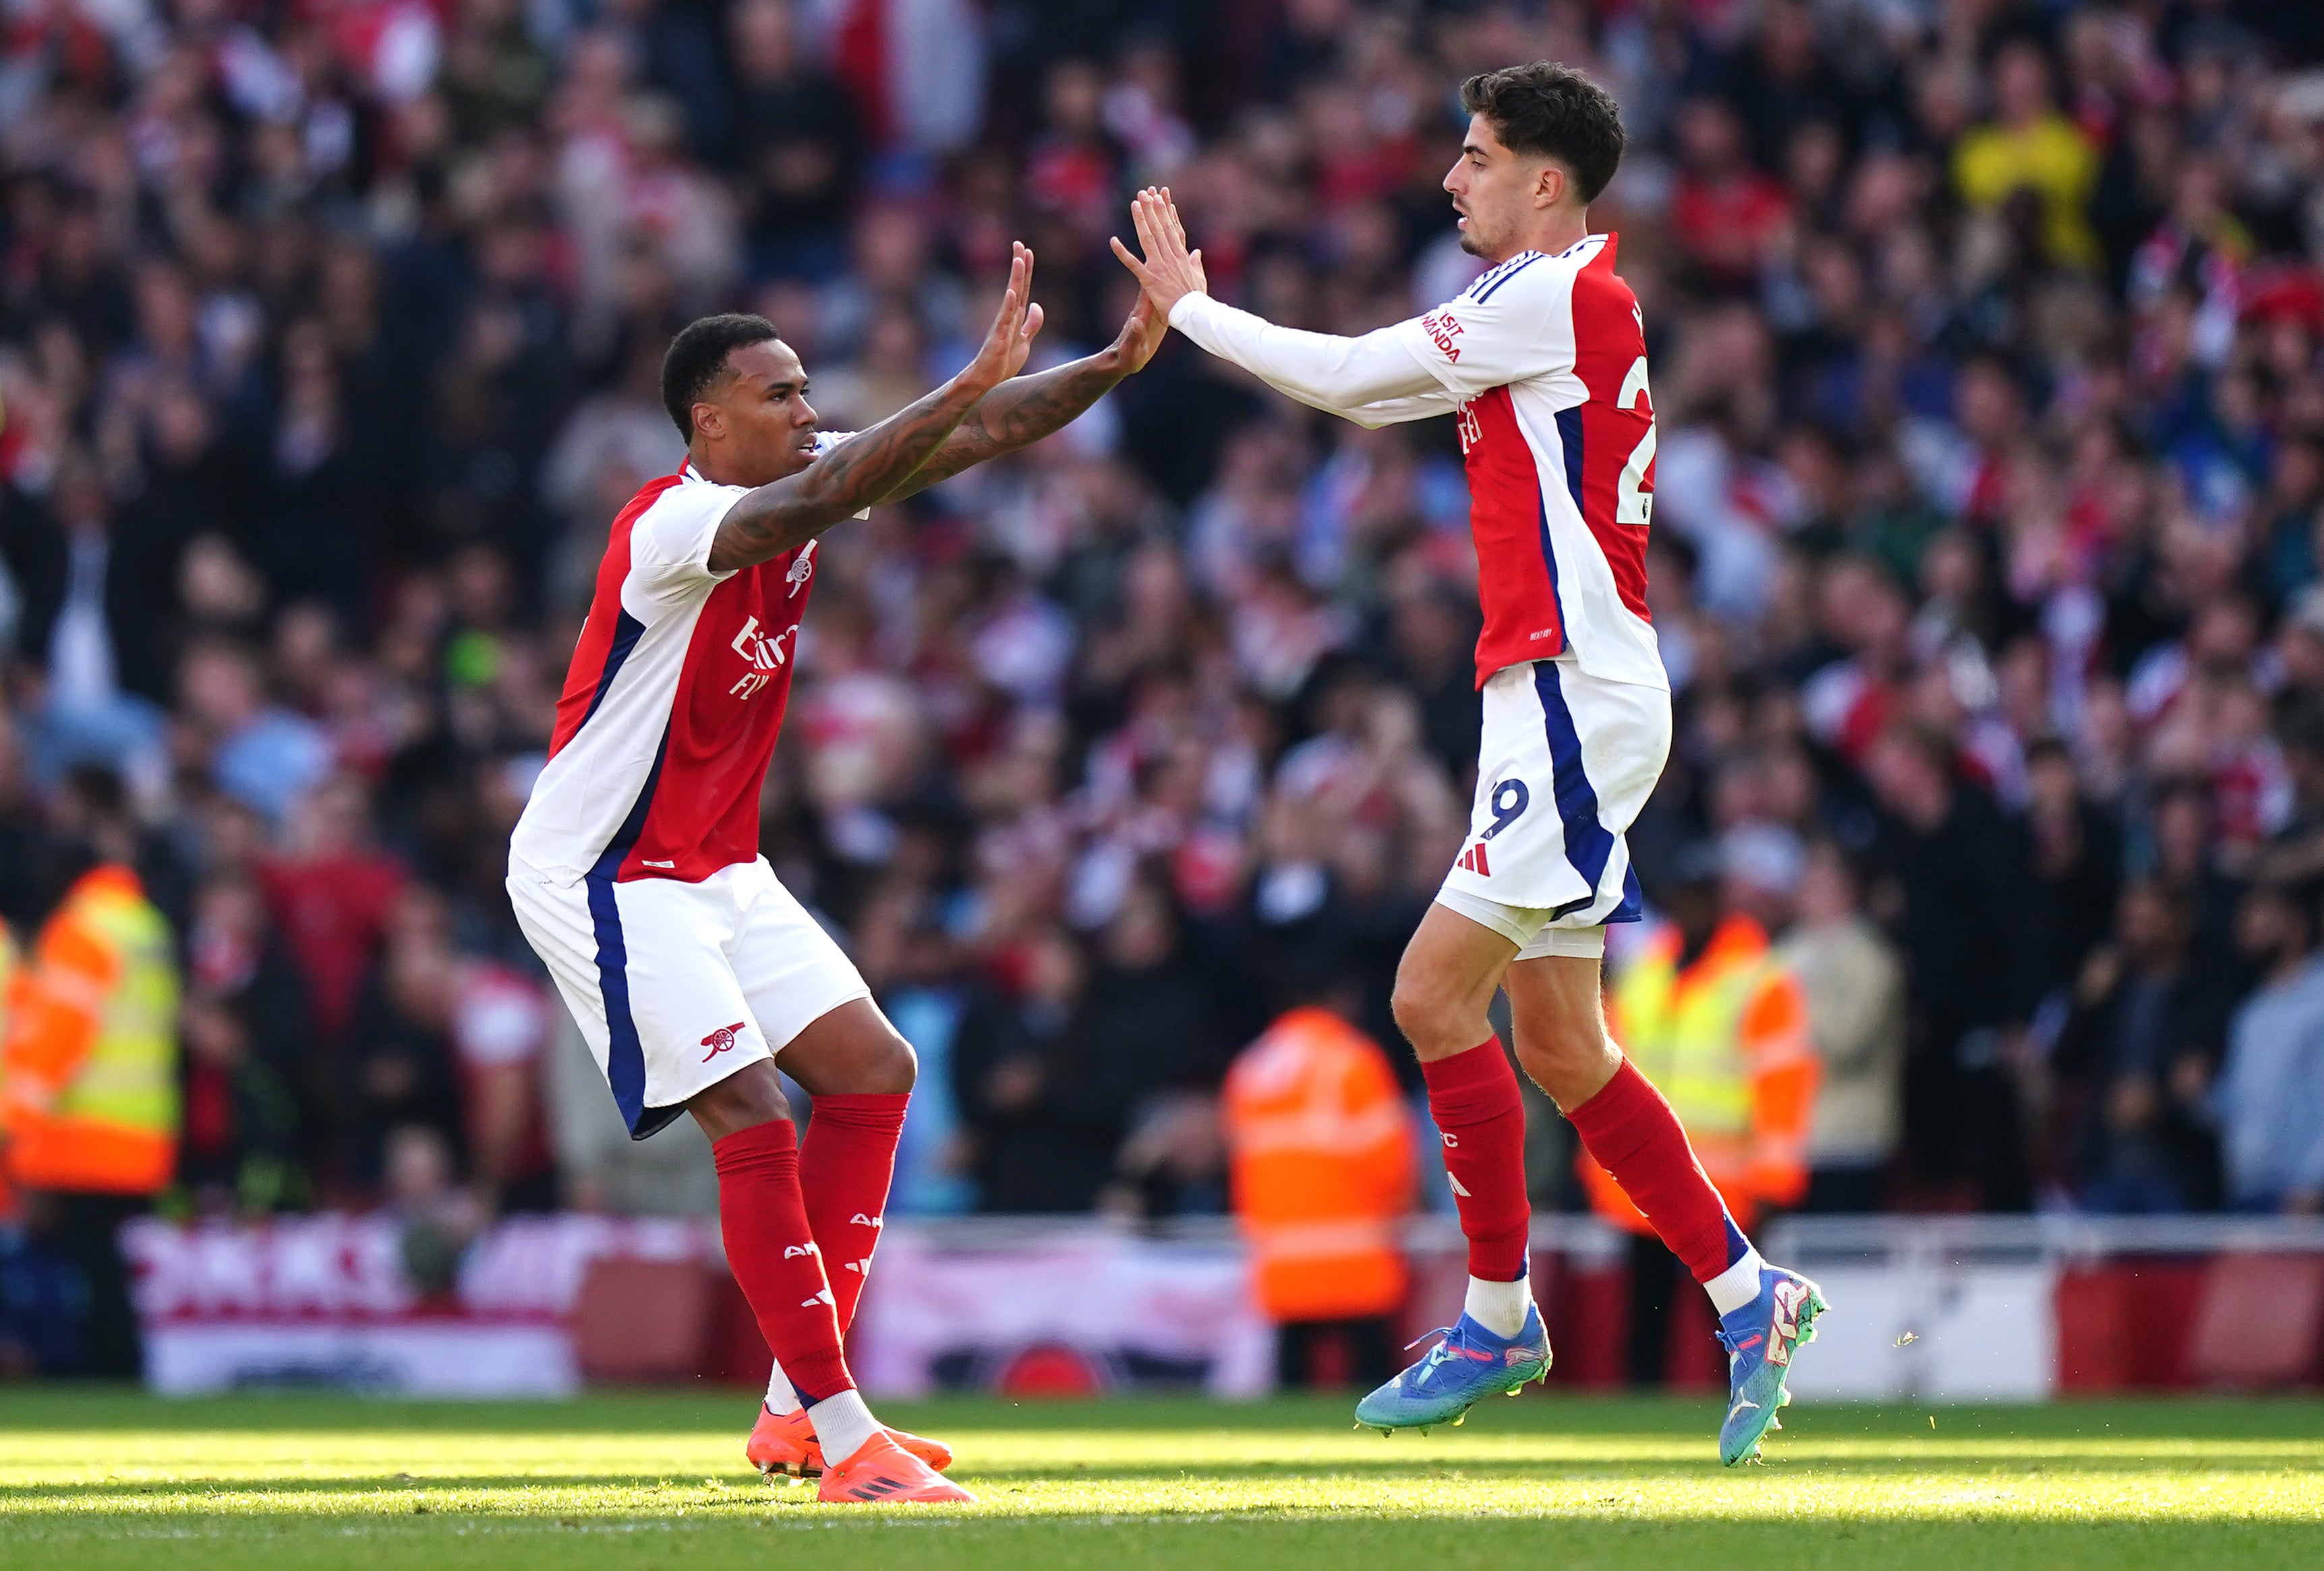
(1016, 414)
(765, 523)
(852, 477)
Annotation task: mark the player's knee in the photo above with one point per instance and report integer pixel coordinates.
(1568, 1065)
(893, 1066)
(872, 1060)
(751, 1096)
(1430, 1019)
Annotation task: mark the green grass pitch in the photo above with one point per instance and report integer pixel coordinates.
(96, 1480)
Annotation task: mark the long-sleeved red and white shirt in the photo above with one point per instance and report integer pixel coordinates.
(1544, 360)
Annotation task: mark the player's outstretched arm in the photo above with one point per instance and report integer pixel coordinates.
(1373, 380)
(860, 471)
(1024, 409)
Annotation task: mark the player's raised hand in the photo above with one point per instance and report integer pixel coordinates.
(1141, 335)
(1002, 354)
(1169, 271)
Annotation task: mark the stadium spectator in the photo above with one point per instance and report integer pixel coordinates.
(1098, 1045)
(440, 1217)
(400, 1065)
(2271, 1149)
(1853, 985)
(2138, 1057)
(1038, 1144)
(1943, 848)
(246, 1032)
(500, 1041)
(2029, 147)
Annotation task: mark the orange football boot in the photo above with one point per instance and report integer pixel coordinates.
(882, 1472)
(783, 1445)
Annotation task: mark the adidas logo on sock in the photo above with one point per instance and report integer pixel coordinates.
(862, 1267)
(860, 1220)
(793, 1251)
(1457, 1188)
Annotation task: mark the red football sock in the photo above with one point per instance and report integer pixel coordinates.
(1635, 1136)
(845, 1164)
(1473, 1097)
(772, 1253)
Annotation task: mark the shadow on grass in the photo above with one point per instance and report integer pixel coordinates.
(389, 1492)
(881, 1540)
(713, 1410)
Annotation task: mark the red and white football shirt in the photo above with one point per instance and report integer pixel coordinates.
(673, 701)
(1546, 360)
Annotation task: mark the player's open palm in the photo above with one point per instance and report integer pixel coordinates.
(1169, 270)
(1002, 354)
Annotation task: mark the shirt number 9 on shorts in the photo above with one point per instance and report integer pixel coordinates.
(1508, 802)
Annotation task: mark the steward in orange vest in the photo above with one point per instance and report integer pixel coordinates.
(1323, 1172)
(88, 1092)
(88, 1081)
(8, 997)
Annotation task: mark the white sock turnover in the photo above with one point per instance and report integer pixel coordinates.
(1737, 1285)
(780, 1398)
(842, 1424)
(1498, 1307)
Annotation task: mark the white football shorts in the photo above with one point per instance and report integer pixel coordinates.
(1565, 764)
(677, 986)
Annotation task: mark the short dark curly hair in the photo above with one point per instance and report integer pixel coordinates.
(696, 360)
(1552, 111)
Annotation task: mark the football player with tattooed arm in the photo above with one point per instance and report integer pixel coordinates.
(1543, 362)
(635, 870)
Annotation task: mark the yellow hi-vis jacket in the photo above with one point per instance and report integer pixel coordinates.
(1322, 1168)
(1726, 1041)
(88, 1081)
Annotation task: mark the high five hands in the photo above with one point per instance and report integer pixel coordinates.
(1010, 338)
(1170, 271)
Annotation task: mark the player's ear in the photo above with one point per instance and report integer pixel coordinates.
(1549, 186)
(709, 420)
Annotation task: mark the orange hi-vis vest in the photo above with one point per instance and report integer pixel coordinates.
(89, 1073)
(1726, 1041)
(1322, 1167)
(7, 996)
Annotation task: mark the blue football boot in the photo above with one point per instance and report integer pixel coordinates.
(1469, 1364)
(1760, 1339)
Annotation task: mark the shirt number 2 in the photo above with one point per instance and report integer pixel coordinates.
(1634, 502)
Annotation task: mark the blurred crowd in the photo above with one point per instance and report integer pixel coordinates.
(1985, 342)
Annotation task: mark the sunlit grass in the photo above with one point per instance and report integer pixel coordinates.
(120, 1479)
